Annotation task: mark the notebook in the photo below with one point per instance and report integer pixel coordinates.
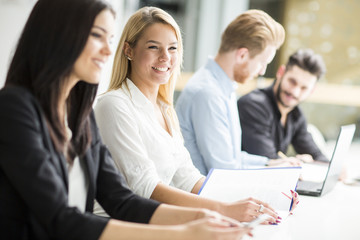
(343, 142)
(270, 185)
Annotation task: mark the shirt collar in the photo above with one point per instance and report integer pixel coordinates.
(136, 96)
(139, 99)
(226, 85)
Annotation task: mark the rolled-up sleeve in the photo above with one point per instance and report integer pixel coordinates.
(187, 175)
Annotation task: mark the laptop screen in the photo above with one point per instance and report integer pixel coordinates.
(342, 146)
(330, 172)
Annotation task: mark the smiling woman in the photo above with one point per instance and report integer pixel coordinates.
(138, 122)
(97, 50)
(53, 164)
(153, 59)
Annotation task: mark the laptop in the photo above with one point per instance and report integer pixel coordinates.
(317, 189)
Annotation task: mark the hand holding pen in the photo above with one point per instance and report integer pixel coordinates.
(294, 200)
(284, 161)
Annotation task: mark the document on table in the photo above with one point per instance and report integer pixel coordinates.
(270, 185)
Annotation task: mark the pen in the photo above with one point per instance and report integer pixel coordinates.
(292, 200)
(281, 154)
(287, 195)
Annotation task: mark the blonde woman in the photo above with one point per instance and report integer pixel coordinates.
(138, 123)
(52, 161)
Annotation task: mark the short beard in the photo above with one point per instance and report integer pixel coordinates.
(241, 75)
(278, 98)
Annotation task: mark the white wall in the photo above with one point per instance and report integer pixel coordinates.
(207, 19)
(204, 22)
(13, 15)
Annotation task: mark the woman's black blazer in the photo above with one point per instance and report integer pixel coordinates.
(34, 180)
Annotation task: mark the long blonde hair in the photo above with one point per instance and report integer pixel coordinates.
(133, 30)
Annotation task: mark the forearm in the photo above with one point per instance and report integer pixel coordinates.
(240, 210)
(198, 185)
(172, 215)
(308, 146)
(316, 153)
(212, 227)
(303, 142)
(174, 196)
(251, 160)
(123, 230)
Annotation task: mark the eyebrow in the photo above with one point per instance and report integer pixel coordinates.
(102, 29)
(293, 79)
(157, 42)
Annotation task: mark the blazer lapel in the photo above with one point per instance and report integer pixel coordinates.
(57, 159)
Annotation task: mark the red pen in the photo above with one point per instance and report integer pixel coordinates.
(290, 199)
(287, 195)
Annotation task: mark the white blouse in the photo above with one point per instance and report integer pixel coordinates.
(78, 185)
(144, 152)
(78, 181)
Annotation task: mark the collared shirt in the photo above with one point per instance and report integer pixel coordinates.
(209, 121)
(143, 151)
(263, 132)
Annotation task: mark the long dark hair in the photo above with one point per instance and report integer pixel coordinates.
(53, 38)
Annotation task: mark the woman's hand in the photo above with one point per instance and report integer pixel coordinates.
(214, 228)
(215, 215)
(207, 225)
(249, 209)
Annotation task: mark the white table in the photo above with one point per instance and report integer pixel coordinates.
(334, 216)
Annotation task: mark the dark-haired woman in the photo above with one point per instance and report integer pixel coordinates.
(52, 161)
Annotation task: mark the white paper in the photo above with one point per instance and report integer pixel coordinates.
(267, 184)
(314, 172)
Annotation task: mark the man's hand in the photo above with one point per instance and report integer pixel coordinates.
(285, 162)
(306, 158)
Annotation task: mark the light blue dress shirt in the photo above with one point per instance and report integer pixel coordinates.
(209, 121)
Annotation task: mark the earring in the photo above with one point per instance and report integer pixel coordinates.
(128, 58)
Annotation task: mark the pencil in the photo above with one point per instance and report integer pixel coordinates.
(281, 154)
